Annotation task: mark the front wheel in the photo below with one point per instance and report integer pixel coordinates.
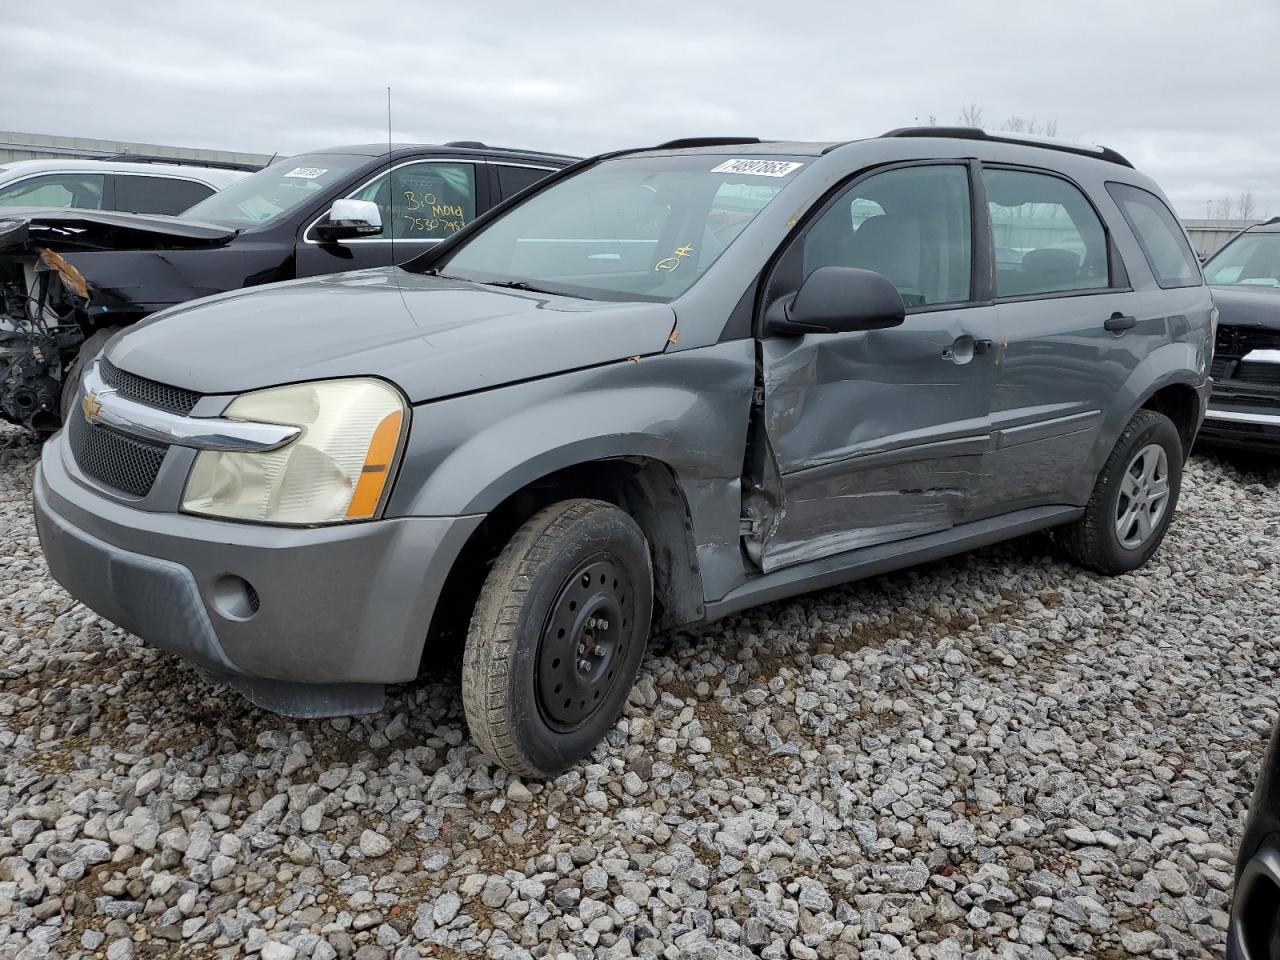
(1133, 498)
(557, 637)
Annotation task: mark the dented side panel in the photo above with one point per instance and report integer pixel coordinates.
(687, 410)
(875, 436)
(135, 283)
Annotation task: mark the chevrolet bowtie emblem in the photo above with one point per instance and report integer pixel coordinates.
(91, 406)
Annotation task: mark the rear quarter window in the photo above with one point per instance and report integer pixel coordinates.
(167, 195)
(1159, 235)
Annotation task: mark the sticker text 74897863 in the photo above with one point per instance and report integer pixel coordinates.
(758, 168)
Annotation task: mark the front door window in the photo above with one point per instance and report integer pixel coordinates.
(431, 200)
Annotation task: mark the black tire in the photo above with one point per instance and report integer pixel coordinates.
(91, 347)
(570, 568)
(1094, 541)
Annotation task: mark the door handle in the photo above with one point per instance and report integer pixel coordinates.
(1119, 323)
(965, 348)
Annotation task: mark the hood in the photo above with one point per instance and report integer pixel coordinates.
(432, 336)
(1242, 306)
(72, 229)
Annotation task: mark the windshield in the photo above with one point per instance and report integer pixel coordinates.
(273, 192)
(635, 228)
(1250, 260)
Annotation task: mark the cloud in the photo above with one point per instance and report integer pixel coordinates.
(1183, 87)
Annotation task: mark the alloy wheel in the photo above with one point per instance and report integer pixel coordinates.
(1144, 496)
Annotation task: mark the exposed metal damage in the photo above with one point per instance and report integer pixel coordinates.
(66, 274)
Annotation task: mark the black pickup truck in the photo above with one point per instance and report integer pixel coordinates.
(69, 279)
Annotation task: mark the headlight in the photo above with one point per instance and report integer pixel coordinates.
(339, 468)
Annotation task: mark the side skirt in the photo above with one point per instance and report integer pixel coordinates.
(886, 557)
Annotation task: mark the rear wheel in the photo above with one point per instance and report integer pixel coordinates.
(91, 347)
(1133, 498)
(557, 637)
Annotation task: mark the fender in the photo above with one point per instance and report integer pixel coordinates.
(467, 454)
(1179, 363)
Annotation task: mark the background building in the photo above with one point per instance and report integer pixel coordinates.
(1209, 236)
(39, 146)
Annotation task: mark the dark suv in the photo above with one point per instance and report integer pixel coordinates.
(1245, 276)
(654, 390)
(72, 278)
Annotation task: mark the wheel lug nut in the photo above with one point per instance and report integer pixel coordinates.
(584, 666)
(602, 624)
(598, 650)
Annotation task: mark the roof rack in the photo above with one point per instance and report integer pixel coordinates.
(478, 145)
(183, 161)
(977, 133)
(685, 143)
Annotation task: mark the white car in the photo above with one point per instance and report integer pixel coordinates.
(135, 185)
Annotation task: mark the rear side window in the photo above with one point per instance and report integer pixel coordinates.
(1047, 236)
(511, 180)
(158, 194)
(1159, 236)
(83, 190)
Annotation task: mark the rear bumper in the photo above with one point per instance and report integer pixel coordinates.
(339, 607)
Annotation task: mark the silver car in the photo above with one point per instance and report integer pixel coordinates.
(138, 185)
(654, 389)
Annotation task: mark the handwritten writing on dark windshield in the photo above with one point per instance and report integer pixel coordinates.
(426, 214)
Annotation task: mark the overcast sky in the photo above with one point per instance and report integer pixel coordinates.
(1187, 89)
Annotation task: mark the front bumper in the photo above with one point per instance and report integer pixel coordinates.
(332, 614)
(1227, 422)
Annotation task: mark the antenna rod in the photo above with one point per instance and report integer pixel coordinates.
(390, 187)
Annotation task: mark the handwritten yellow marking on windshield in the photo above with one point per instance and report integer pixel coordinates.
(667, 264)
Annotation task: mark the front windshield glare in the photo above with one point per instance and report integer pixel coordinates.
(258, 199)
(1251, 260)
(637, 228)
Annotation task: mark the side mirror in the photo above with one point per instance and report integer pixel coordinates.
(838, 300)
(348, 219)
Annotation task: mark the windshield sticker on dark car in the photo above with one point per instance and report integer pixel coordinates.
(307, 173)
(758, 168)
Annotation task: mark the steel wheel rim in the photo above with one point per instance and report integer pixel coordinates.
(1144, 496)
(584, 643)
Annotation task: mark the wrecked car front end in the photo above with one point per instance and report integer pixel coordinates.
(67, 274)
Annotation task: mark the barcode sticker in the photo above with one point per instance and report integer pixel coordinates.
(307, 173)
(758, 168)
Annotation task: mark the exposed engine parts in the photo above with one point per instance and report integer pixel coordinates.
(44, 299)
(31, 388)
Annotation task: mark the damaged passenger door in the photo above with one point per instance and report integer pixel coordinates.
(874, 435)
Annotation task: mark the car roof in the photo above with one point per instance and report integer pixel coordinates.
(1267, 226)
(750, 146)
(212, 176)
(470, 147)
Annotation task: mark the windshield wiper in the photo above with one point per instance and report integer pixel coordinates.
(525, 285)
(512, 285)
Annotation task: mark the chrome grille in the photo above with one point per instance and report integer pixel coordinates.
(124, 463)
(146, 391)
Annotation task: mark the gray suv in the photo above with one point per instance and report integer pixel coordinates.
(654, 389)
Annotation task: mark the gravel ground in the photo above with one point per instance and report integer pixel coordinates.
(996, 755)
